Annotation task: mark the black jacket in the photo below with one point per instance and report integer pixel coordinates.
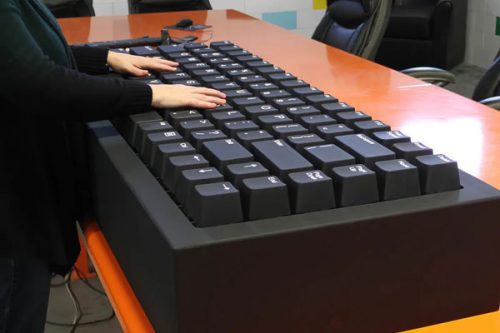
(45, 97)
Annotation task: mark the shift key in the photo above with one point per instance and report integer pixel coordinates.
(366, 150)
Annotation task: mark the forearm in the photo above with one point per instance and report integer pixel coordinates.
(91, 60)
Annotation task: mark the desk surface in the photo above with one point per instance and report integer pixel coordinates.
(458, 127)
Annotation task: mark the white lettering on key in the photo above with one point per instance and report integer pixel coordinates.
(365, 139)
(273, 180)
(168, 134)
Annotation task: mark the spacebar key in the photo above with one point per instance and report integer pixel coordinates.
(280, 158)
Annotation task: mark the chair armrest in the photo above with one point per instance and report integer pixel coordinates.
(493, 102)
(436, 76)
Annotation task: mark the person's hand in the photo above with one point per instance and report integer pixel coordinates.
(177, 95)
(136, 65)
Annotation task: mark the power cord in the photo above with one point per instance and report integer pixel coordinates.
(76, 322)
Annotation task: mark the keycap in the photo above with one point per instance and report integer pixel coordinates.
(217, 44)
(229, 48)
(233, 127)
(258, 63)
(296, 112)
(198, 137)
(367, 151)
(284, 103)
(188, 126)
(247, 81)
(187, 82)
(223, 86)
(397, 179)
(175, 117)
(279, 157)
(238, 54)
(311, 122)
(203, 50)
(268, 121)
(231, 94)
(144, 51)
(317, 100)
(283, 131)
(190, 60)
(369, 127)
(128, 125)
(188, 179)
(264, 197)
(310, 191)
(237, 172)
(223, 152)
(174, 165)
(205, 72)
(155, 139)
(257, 87)
(223, 107)
(191, 46)
(215, 61)
(210, 55)
(332, 109)
(299, 142)
(253, 112)
(167, 150)
(228, 66)
(246, 138)
(240, 72)
(209, 79)
(215, 204)
(166, 49)
(290, 84)
(302, 92)
(349, 118)
(269, 95)
(438, 173)
(410, 150)
(176, 55)
(326, 157)
(266, 71)
(189, 67)
(329, 132)
(219, 118)
(148, 127)
(388, 138)
(241, 103)
(171, 77)
(279, 77)
(355, 185)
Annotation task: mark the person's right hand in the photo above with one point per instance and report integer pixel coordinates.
(177, 95)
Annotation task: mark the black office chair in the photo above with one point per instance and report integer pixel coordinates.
(355, 26)
(70, 8)
(152, 6)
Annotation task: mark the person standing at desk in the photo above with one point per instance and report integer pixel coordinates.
(46, 96)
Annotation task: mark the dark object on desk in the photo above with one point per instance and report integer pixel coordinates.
(425, 33)
(152, 6)
(125, 43)
(387, 254)
(355, 26)
(70, 8)
(184, 23)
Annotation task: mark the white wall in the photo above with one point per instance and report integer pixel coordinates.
(482, 43)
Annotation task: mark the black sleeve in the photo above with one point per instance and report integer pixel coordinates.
(36, 84)
(91, 60)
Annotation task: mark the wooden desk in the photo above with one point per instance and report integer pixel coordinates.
(458, 127)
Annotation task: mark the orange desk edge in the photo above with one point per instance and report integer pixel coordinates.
(374, 93)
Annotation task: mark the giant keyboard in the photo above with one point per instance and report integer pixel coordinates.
(287, 209)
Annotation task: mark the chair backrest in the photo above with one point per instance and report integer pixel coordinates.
(70, 8)
(150, 6)
(355, 26)
(489, 84)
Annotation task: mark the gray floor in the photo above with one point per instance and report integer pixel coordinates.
(96, 306)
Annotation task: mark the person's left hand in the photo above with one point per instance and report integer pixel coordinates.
(138, 66)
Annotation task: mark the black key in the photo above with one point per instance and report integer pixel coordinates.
(204, 72)
(209, 79)
(231, 94)
(190, 60)
(266, 71)
(224, 86)
(244, 58)
(229, 48)
(191, 46)
(332, 109)
(195, 66)
(369, 127)
(233, 127)
(284, 103)
(166, 49)
(223, 152)
(282, 131)
(269, 95)
(264, 197)
(241, 103)
(215, 61)
(355, 185)
(210, 55)
(188, 179)
(326, 157)
(237, 172)
(290, 84)
(203, 50)
(299, 142)
(310, 191)
(239, 72)
(253, 112)
(144, 51)
(198, 137)
(175, 117)
(257, 87)
(410, 150)
(349, 118)
(246, 138)
(148, 127)
(311, 122)
(128, 125)
(177, 55)
(397, 179)
(438, 173)
(187, 82)
(188, 126)
(367, 151)
(306, 91)
(258, 63)
(247, 81)
(279, 157)
(225, 67)
(219, 118)
(388, 138)
(155, 139)
(296, 112)
(174, 165)
(167, 150)
(216, 45)
(170, 77)
(223, 107)
(281, 77)
(328, 132)
(317, 100)
(215, 204)
(268, 121)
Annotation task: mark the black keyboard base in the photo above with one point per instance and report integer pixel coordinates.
(381, 267)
